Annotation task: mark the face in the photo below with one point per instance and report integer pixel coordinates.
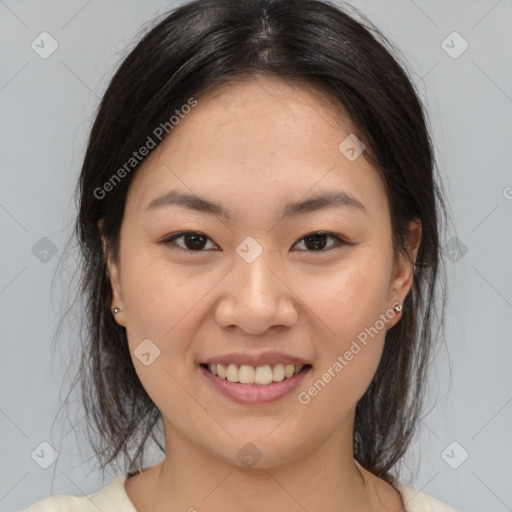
(241, 277)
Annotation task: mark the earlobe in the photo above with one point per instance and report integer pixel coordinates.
(404, 271)
(112, 272)
(117, 306)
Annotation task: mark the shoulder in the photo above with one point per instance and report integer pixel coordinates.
(413, 499)
(58, 503)
(418, 501)
(110, 498)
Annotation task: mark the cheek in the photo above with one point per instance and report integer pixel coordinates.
(350, 309)
(350, 298)
(347, 362)
(157, 296)
(161, 306)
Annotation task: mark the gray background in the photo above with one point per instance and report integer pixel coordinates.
(47, 107)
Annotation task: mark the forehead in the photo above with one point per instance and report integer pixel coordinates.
(276, 106)
(289, 95)
(266, 114)
(255, 134)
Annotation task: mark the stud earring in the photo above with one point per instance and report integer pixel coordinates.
(397, 307)
(116, 310)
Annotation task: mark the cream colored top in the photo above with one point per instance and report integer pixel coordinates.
(113, 498)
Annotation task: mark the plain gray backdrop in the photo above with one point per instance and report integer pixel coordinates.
(47, 106)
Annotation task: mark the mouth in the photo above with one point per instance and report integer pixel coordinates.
(254, 385)
(263, 375)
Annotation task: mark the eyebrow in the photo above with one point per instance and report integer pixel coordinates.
(329, 199)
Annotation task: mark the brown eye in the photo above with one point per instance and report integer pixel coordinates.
(191, 241)
(316, 242)
(194, 241)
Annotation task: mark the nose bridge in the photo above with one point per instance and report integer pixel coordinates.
(255, 298)
(253, 262)
(256, 282)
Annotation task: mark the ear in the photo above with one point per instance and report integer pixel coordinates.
(115, 282)
(403, 273)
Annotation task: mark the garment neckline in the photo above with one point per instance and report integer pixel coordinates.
(406, 493)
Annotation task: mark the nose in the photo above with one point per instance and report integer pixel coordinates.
(255, 298)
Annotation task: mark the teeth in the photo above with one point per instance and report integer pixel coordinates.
(221, 370)
(289, 370)
(232, 373)
(261, 375)
(278, 373)
(245, 374)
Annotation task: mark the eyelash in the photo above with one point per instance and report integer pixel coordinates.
(169, 241)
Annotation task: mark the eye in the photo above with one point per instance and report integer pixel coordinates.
(317, 241)
(195, 241)
(192, 240)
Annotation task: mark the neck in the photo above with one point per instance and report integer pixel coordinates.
(190, 478)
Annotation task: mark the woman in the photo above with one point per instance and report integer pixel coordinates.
(259, 222)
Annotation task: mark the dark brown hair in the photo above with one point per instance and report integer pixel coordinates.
(187, 52)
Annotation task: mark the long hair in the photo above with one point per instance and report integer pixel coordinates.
(190, 50)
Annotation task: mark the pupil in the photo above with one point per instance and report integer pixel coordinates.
(195, 245)
(316, 243)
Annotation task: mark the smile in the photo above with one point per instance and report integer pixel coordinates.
(254, 385)
(259, 375)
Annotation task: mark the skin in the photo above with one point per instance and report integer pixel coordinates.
(253, 146)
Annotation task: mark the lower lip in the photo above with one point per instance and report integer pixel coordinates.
(253, 393)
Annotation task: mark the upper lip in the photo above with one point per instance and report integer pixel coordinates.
(256, 359)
